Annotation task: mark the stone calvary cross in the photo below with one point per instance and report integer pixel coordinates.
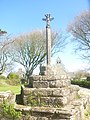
(48, 37)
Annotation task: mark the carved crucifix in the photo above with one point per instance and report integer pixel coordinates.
(48, 37)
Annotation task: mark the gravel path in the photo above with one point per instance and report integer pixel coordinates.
(84, 91)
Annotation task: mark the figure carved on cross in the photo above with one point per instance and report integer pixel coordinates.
(47, 19)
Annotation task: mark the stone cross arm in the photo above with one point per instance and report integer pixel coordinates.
(47, 19)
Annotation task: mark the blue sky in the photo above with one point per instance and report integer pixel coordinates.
(22, 16)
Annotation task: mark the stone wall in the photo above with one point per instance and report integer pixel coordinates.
(9, 96)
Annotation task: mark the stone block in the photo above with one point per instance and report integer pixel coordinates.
(41, 118)
(25, 100)
(35, 118)
(46, 70)
(28, 91)
(74, 88)
(47, 78)
(57, 93)
(60, 92)
(59, 83)
(42, 70)
(43, 78)
(44, 101)
(45, 92)
(55, 84)
(34, 77)
(66, 82)
(48, 110)
(72, 96)
(40, 84)
(61, 101)
(52, 84)
(8, 95)
(54, 101)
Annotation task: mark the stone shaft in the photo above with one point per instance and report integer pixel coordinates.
(48, 45)
(48, 37)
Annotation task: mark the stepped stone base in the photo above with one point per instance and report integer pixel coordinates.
(48, 81)
(72, 111)
(50, 96)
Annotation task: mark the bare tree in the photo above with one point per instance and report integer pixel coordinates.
(3, 53)
(29, 50)
(59, 42)
(80, 30)
(5, 61)
(81, 74)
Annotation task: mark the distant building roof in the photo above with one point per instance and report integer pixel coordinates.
(59, 69)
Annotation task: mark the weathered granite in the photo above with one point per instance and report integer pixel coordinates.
(54, 92)
(8, 95)
(50, 96)
(49, 82)
(72, 111)
(40, 84)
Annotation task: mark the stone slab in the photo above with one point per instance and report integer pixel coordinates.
(40, 84)
(54, 101)
(47, 92)
(51, 83)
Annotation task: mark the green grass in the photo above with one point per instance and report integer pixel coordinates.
(5, 87)
(14, 89)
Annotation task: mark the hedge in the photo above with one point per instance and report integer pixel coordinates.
(81, 83)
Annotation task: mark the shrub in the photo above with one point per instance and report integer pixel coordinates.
(13, 76)
(32, 100)
(88, 78)
(9, 111)
(13, 81)
(81, 83)
(2, 77)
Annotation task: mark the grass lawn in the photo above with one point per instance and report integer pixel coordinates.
(5, 87)
(14, 89)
